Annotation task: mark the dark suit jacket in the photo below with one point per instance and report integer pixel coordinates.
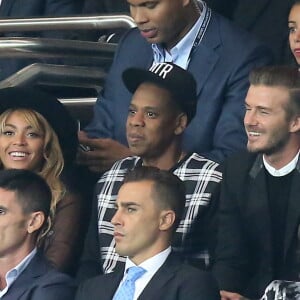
(33, 8)
(40, 281)
(220, 64)
(173, 281)
(267, 19)
(244, 251)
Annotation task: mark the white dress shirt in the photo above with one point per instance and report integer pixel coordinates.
(151, 266)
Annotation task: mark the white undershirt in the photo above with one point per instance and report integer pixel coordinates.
(284, 170)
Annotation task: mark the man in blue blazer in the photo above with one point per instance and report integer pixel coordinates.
(189, 34)
(33, 8)
(25, 274)
(149, 207)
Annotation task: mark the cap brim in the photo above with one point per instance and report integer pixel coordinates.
(134, 77)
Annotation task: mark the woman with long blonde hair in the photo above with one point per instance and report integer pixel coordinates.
(34, 130)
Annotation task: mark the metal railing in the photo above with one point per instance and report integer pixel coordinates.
(73, 52)
(67, 23)
(45, 48)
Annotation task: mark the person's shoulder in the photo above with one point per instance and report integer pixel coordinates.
(241, 158)
(232, 35)
(199, 162)
(195, 282)
(47, 280)
(237, 166)
(119, 169)
(133, 39)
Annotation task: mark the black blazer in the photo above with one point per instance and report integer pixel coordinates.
(173, 281)
(244, 251)
(40, 281)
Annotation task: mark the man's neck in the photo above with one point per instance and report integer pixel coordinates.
(165, 161)
(190, 19)
(11, 261)
(280, 159)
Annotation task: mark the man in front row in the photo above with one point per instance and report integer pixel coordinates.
(259, 207)
(149, 207)
(24, 208)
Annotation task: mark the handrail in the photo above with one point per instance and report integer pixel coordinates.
(42, 47)
(56, 75)
(67, 23)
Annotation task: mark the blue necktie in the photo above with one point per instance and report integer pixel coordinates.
(127, 288)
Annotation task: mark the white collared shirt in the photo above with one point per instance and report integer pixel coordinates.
(284, 170)
(151, 266)
(180, 53)
(12, 275)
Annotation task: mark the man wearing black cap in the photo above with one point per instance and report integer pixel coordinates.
(163, 103)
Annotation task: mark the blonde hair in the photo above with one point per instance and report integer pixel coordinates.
(53, 157)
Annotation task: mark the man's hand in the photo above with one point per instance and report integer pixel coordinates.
(230, 296)
(103, 154)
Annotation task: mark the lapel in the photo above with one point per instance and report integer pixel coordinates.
(108, 286)
(36, 268)
(293, 213)
(164, 274)
(205, 56)
(5, 7)
(258, 210)
(246, 12)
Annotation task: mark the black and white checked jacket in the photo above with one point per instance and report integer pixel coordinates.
(202, 181)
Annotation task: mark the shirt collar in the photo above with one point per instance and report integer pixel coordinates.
(152, 264)
(183, 47)
(284, 170)
(15, 272)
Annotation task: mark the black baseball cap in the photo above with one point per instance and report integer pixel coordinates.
(51, 109)
(178, 81)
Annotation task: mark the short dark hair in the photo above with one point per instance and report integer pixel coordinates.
(168, 190)
(32, 191)
(287, 77)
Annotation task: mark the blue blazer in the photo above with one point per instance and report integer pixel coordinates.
(173, 281)
(40, 281)
(220, 65)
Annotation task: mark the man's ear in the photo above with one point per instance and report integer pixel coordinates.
(35, 221)
(167, 220)
(181, 123)
(295, 125)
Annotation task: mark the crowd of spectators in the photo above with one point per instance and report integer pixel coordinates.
(201, 95)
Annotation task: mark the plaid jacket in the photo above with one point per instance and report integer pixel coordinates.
(196, 230)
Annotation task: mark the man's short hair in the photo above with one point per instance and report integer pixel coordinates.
(168, 190)
(280, 76)
(32, 191)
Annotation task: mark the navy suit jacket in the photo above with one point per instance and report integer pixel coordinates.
(220, 64)
(244, 251)
(173, 281)
(40, 281)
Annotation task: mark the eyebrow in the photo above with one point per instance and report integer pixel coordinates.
(15, 127)
(126, 204)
